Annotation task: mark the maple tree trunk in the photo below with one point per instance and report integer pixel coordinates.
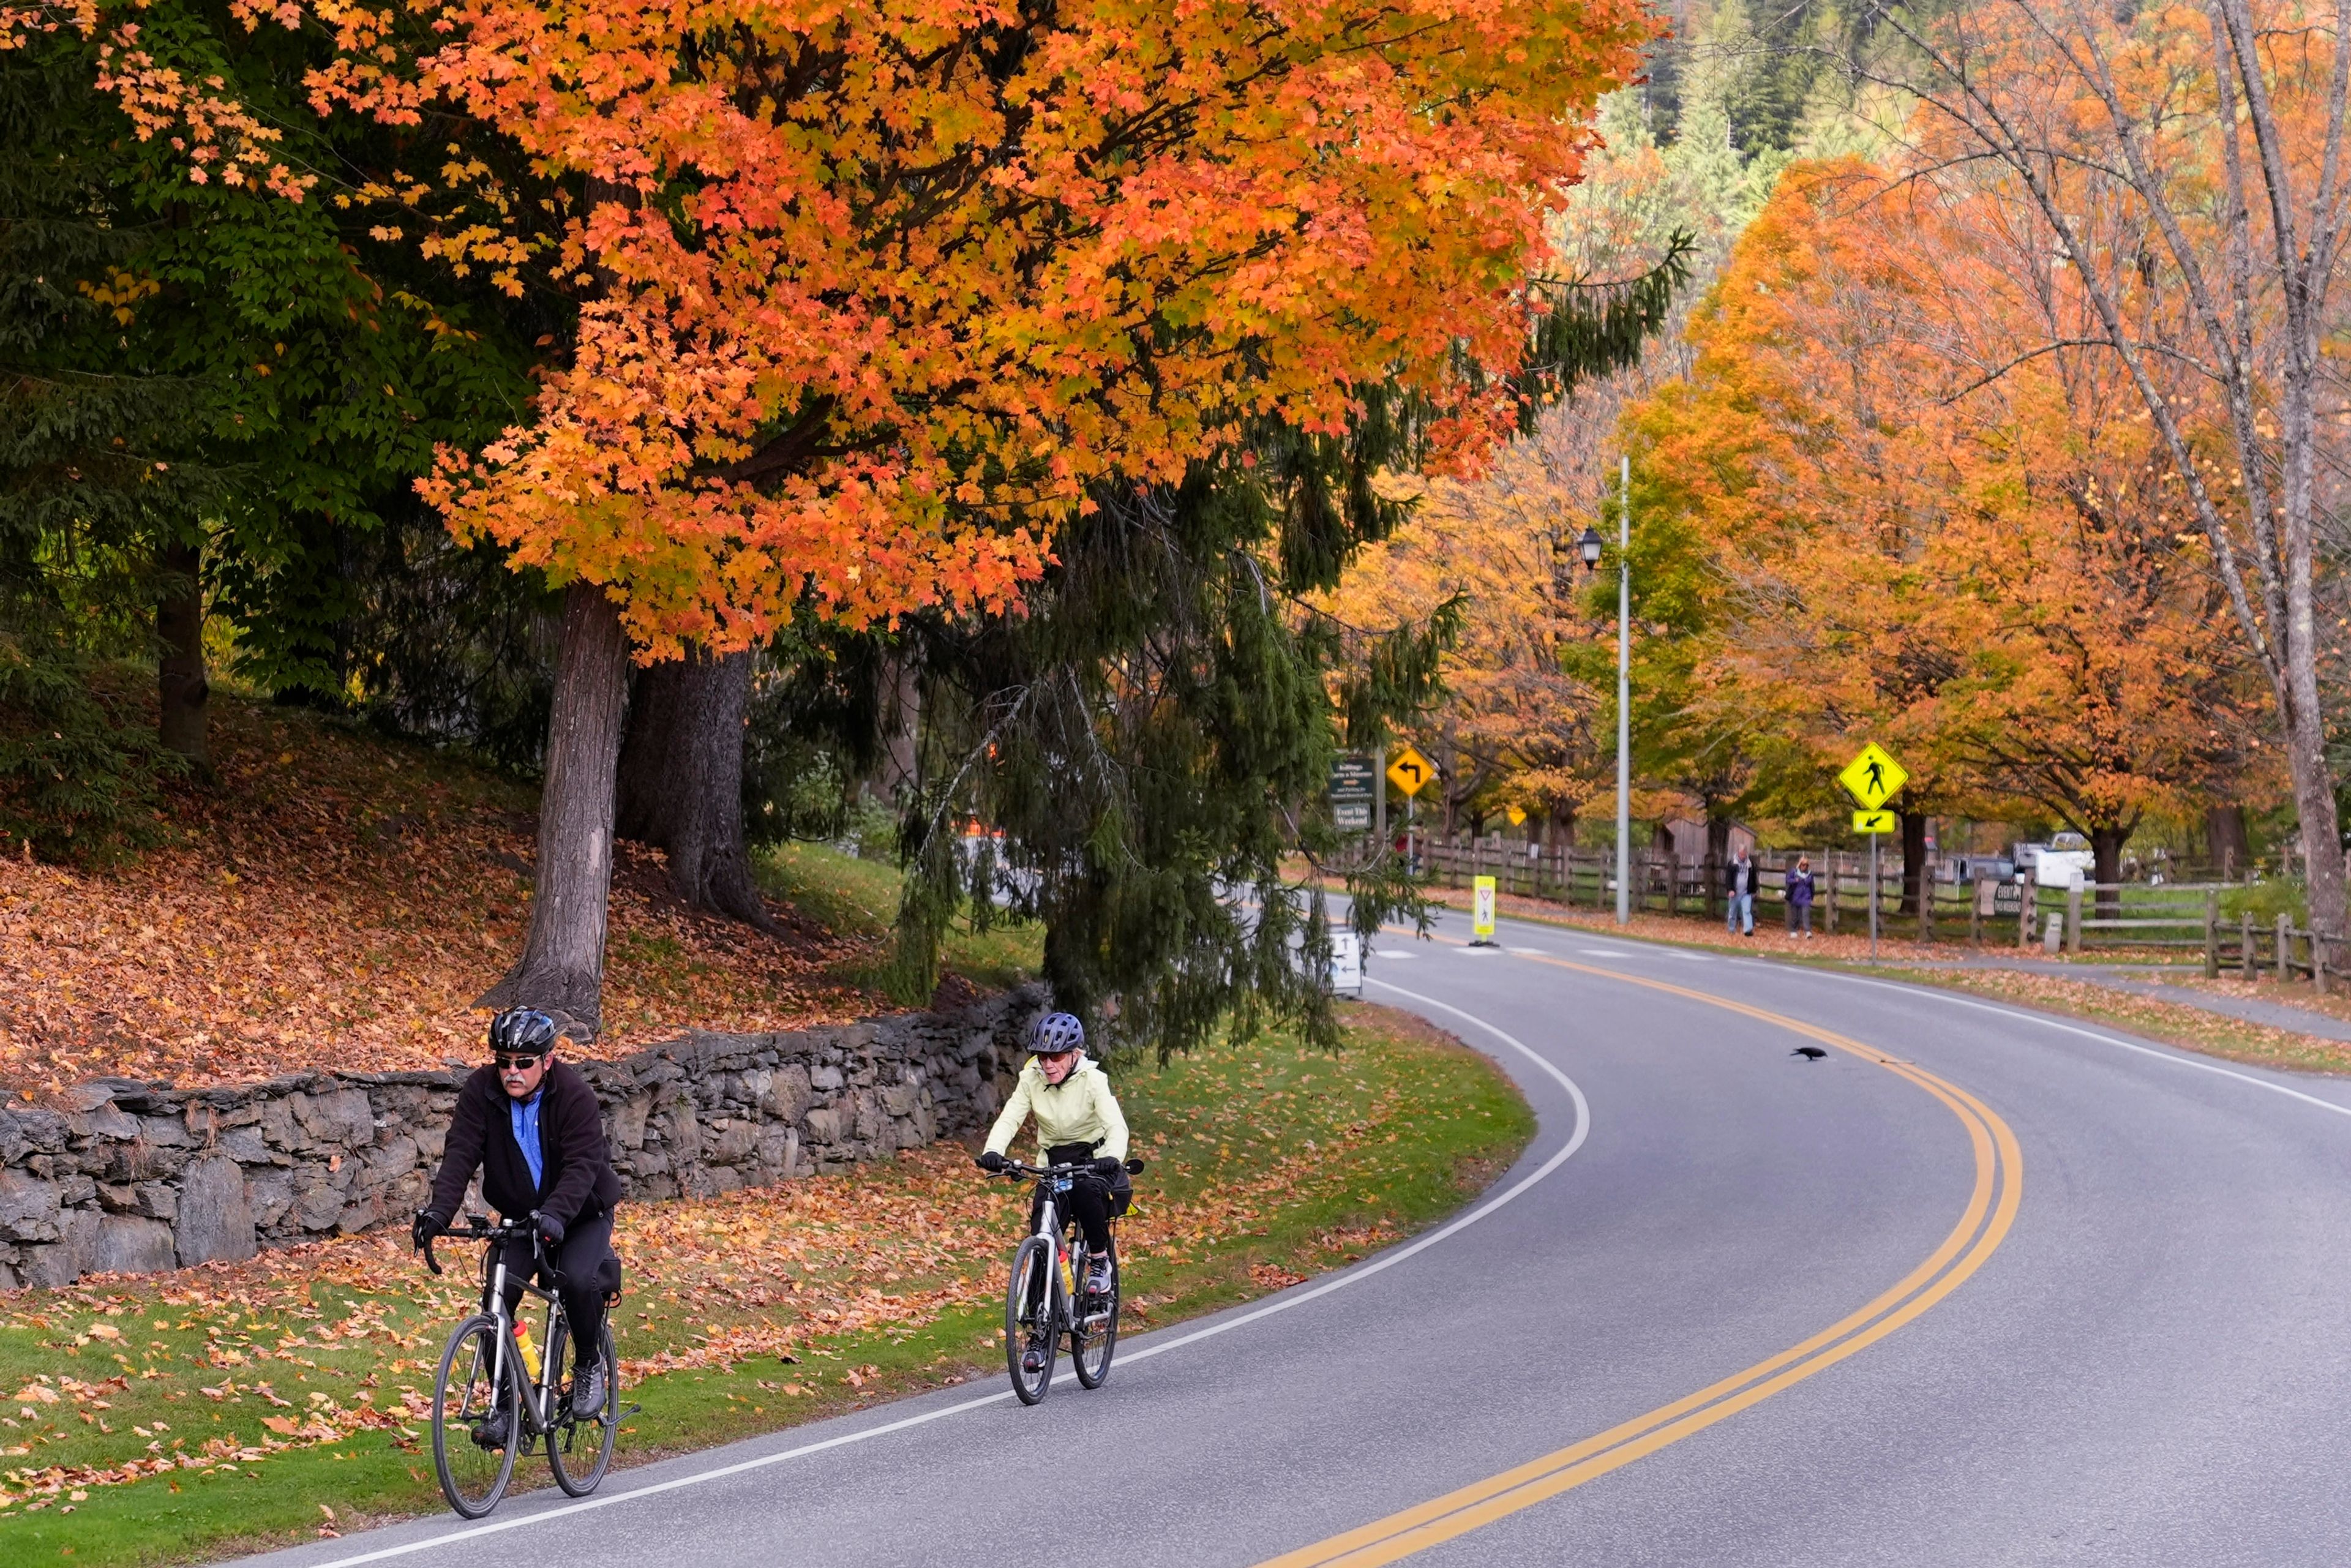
(901, 718)
(2106, 866)
(563, 965)
(2226, 844)
(1914, 860)
(181, 690)
(680, 780)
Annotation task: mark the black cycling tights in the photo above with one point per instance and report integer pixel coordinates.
(583, 1259)
(1088, 1201)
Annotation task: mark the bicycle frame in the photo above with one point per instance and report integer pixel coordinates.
(538, 1406)
(1061, 1283)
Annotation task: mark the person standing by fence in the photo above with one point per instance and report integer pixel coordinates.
(1800, 896)
(1741, 887)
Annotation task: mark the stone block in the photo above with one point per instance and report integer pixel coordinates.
(277, 1124)
(247, 1145)
(350, 1117)
(825, 1124)
(318, 1205)
(46, 1267)
(214, 1223)
(42, 1128)
(128, 1244)
(30, 1209)
(158, 1199)
(732, 1141)
(628, 1122)
(74, 1190)
(117, 1197)
(429, 1140)
(826, 1078)
(392, 1161)
(165, 1132)
(682, 1130)
(270, 1193)
(900, 1099)
(105, 1121)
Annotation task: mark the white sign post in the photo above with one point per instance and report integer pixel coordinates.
(1346, 964)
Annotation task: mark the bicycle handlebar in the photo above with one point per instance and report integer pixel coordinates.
(1086, 1167)
(478, 1228)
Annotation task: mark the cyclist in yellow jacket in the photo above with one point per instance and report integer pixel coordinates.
(1078, 1121)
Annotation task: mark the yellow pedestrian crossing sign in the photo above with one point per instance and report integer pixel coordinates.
(1517, 815)
(1872, 779)
(1410, 771)
(1874, 822)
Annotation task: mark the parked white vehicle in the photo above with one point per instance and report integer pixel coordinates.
(2065, 860)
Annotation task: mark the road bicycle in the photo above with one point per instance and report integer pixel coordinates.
(484, 1374)
(1044, 1301)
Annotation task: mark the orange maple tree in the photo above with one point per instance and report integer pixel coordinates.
(1934, 534)
(870, 294)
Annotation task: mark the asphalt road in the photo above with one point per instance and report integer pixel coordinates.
(1976, 1287)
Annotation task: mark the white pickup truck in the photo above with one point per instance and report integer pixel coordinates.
(2065, 860)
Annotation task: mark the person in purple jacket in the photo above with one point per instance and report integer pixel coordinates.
(1800, 897)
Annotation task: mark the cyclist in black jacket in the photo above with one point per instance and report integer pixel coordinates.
(531, 1125)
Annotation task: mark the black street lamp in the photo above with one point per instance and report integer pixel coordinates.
(1589, 546)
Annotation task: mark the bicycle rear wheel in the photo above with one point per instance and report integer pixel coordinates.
(1090, 1344)
(579, 1449)
(476, 1418)
(1029, 1342)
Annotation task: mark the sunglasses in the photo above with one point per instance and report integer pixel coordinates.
(517, 1063)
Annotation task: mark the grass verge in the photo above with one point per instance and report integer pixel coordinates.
(159, 1419)
(2174, 1024)
(857, 898)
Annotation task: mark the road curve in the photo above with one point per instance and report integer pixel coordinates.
(1977, 1286)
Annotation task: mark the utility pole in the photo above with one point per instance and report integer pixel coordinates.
(1625, 700)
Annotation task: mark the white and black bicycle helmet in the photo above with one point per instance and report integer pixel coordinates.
(1054, 1034)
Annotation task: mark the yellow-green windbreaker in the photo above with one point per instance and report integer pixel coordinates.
(1080, 1109)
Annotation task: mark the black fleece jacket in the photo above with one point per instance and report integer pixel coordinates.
(581, 1180)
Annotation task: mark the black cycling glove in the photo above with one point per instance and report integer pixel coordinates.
(430, 1223)
(991, 1160)
(552, 1228)
(1108, 1166)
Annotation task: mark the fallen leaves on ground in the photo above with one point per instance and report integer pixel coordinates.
(335, 900)
(226, 1367)
(2178, 1022)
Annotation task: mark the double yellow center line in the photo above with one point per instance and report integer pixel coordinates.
(1990, 1210)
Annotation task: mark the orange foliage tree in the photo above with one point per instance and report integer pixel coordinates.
(2191, 157)
(1934, 534)
(1511, 727)
(870, 294)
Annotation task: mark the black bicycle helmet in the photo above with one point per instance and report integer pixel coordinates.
(1054, 1034)
(522, 1032)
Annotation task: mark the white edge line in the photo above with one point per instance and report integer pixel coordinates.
(1280, 1304)
(2174, 1057)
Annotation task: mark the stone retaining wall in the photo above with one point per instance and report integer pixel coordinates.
(138, 1177)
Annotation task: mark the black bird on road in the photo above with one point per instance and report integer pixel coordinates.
(1808, 1053)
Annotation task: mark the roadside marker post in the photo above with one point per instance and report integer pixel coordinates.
(1481, 912)
(1872, 779)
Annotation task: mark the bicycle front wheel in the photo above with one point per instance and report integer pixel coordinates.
(579, 1449)
(1095, 1335)
(476, 1418)
(1029, 1342)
